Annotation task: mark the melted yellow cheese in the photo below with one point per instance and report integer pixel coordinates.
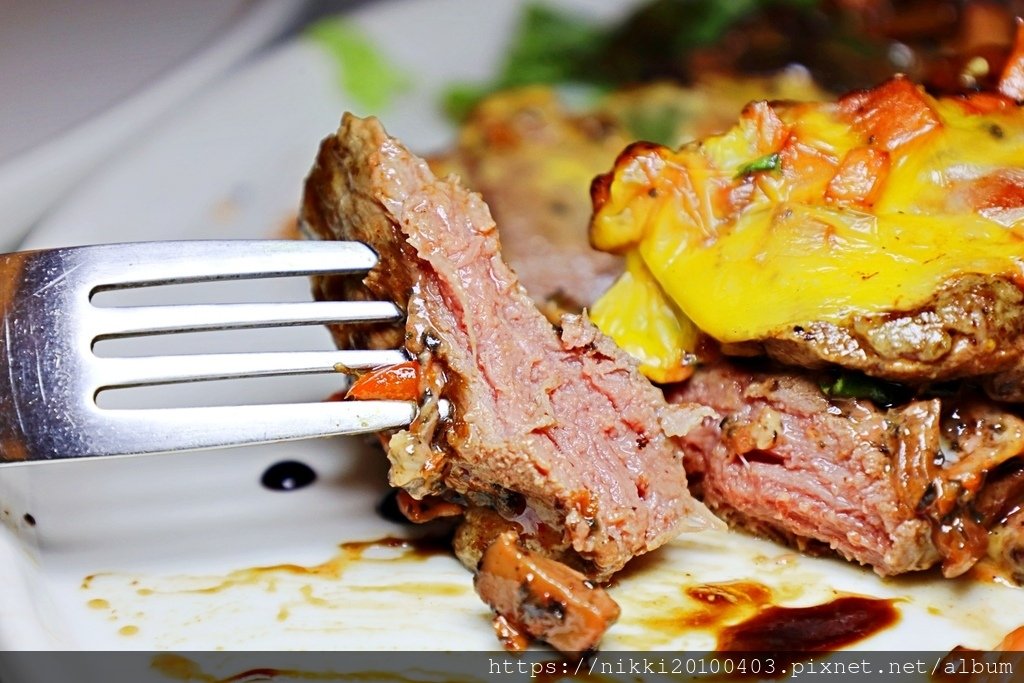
(745, 253)
(657, 335)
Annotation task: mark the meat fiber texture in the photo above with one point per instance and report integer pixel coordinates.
(532, 159)
(554, 428)
(900, 489)
(787, 460)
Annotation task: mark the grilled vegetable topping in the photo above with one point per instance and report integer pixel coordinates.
(399, 382)
(872, 204)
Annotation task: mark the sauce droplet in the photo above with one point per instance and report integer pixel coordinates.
(288, 475)
(818, 628)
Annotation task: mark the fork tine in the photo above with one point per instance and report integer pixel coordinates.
(115, 266)
(133, 372)
(173, 429)
(126, 321)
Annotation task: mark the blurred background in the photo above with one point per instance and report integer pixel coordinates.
(80, 80)
(117, 116)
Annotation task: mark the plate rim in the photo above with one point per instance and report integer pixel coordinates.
(36, 179)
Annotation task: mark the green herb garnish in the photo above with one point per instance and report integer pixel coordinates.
(769, 162)
(364, 73)
(550, 46)
(553, 46)
(856, 385)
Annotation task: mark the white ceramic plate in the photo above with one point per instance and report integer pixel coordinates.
(158, 553)
(81, 79)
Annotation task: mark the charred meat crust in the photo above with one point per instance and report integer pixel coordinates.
(481, 526)
(973, 326)
(332, 206)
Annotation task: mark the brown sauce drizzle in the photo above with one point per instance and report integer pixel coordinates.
(829, 626)
(412, 549)
(743, 616)
(712, 606)
(288, 475)
(419, 548)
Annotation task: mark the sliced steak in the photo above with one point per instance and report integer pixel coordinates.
(785, 458)
(533, 160)
(554, 429)
(899, 489)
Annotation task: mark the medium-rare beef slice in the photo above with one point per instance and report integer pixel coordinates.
(898, 489)
(784, 456)
(532, 160)
(555, 429)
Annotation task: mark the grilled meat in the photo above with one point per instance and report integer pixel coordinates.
(532, 160)
(972, 326)
(556, 430)
(898, 489)
(798, 466)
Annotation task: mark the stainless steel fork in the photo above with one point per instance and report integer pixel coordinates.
(50, 376)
